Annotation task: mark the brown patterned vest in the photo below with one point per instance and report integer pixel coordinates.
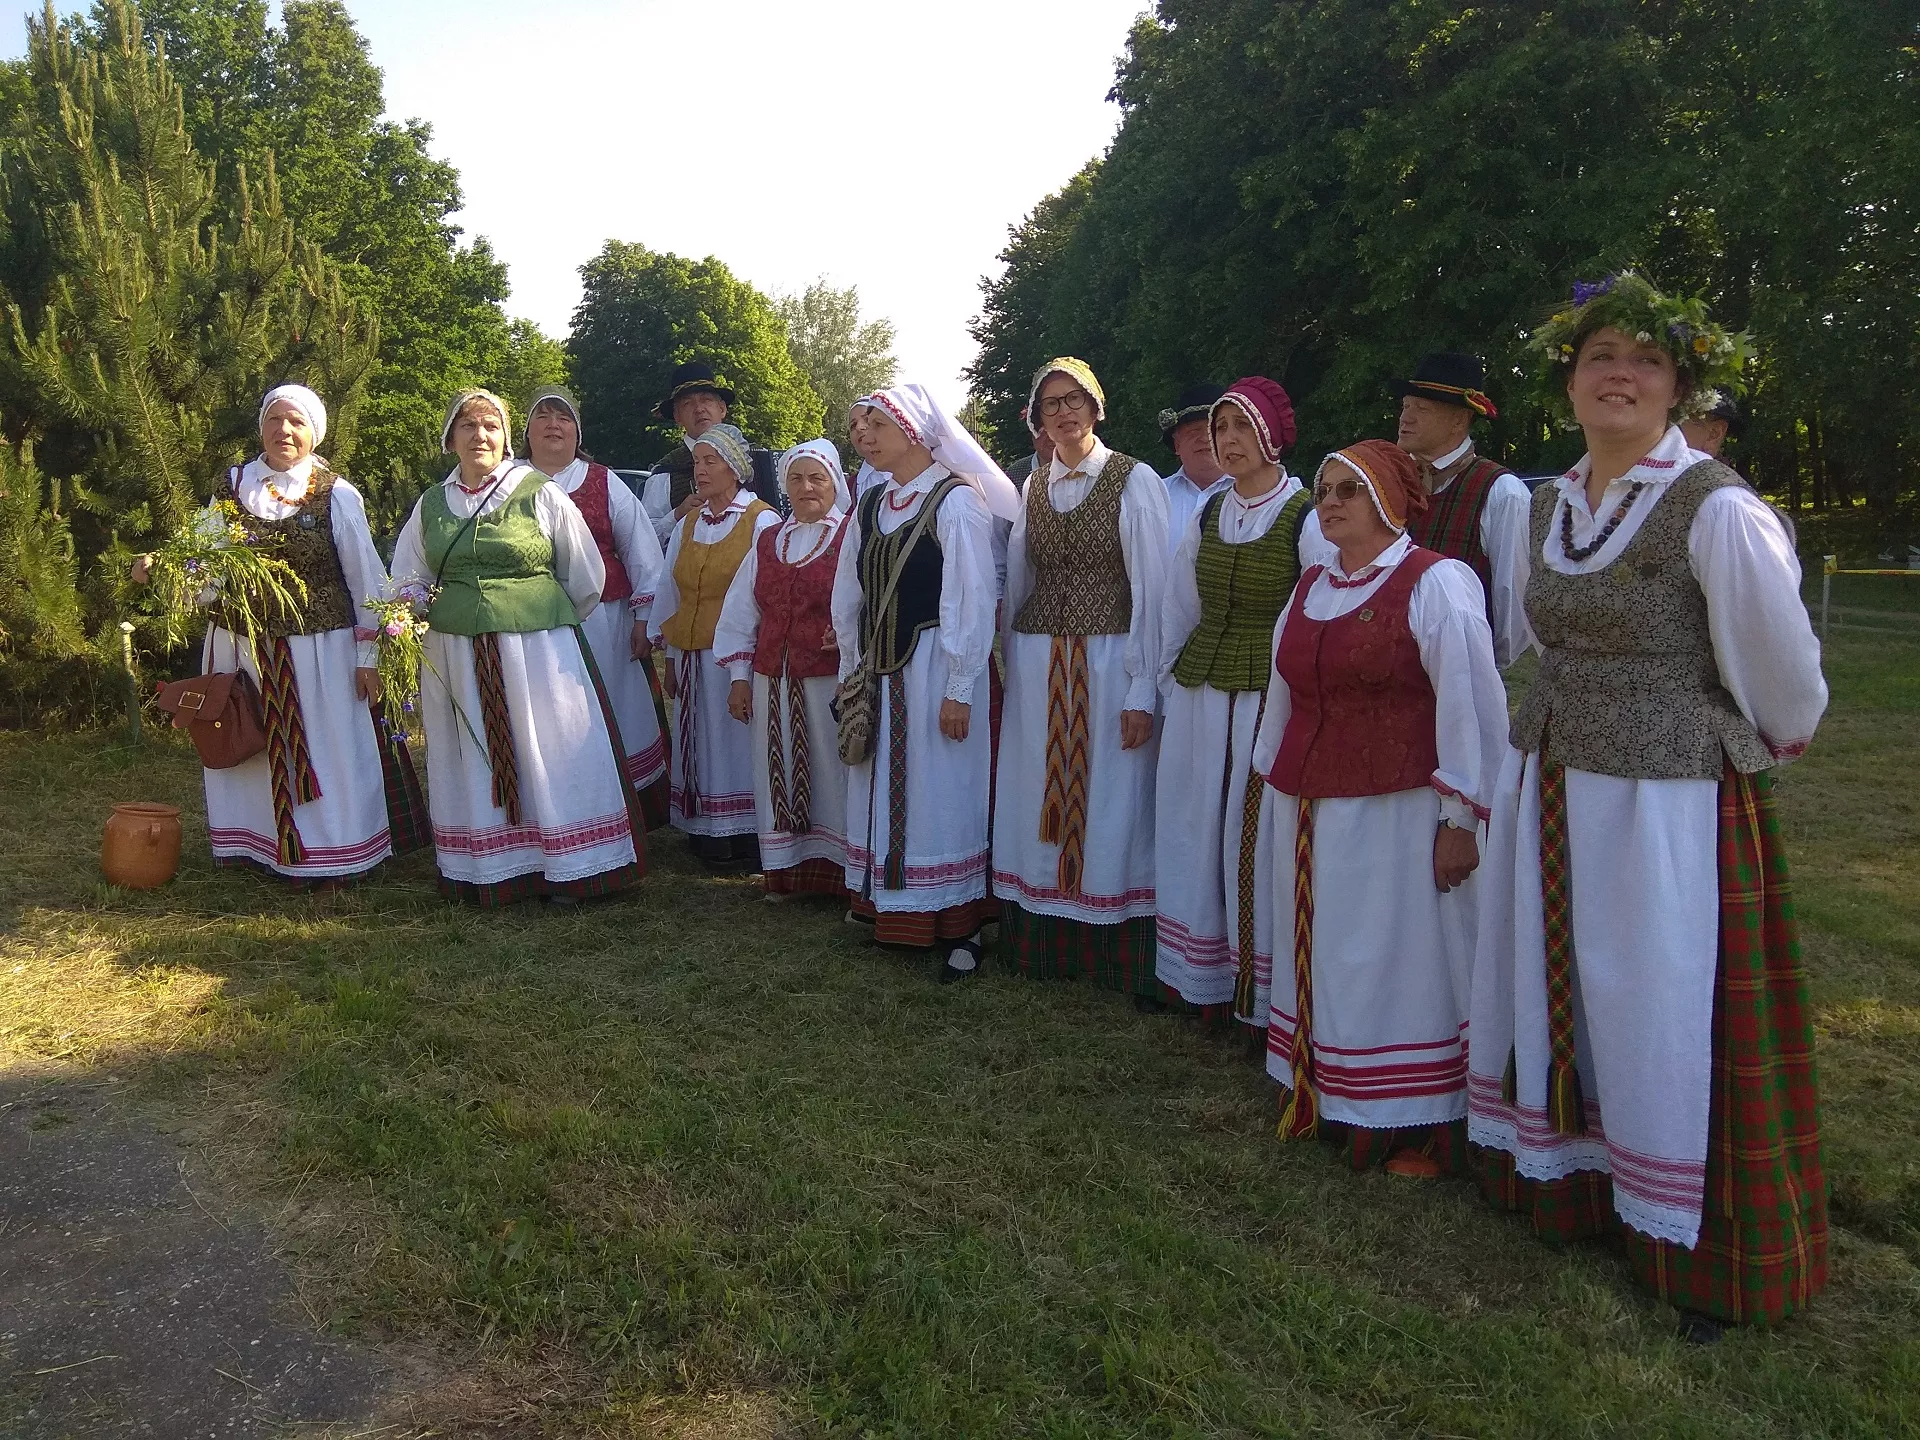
(1080, 584)
(1628, 683)
(304, 540)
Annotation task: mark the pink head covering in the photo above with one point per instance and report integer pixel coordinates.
(1267, 406)
(926, 423)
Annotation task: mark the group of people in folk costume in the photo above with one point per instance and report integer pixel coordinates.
(1246, 747)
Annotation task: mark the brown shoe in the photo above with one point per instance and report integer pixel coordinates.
(1412, 1165)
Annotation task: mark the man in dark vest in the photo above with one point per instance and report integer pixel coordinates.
(1479, 509)
(696, 401)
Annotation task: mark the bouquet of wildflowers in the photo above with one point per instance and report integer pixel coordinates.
(400, 635)
(213, 560)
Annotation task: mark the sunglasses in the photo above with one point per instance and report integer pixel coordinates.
(1338, 490)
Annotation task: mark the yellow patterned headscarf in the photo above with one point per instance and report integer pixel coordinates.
(460, 402)
(1082, 374)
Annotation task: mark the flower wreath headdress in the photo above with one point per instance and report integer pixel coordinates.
(1707, 355)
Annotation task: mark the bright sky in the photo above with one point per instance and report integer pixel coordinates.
(887, 147)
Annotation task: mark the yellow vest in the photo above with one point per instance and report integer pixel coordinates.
(702, 573)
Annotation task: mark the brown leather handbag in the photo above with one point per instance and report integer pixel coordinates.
(222, 712)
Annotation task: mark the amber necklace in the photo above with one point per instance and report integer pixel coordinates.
(1578, 553)
(826, 534)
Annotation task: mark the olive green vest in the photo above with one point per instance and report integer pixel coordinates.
(495, 573)
(1243, 589)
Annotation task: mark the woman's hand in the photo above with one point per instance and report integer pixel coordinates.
(670, 679)
(1136, 728)
(740, 700)
(830, 641)
(955, 719)
(1456, 855)
(366, 683)
(142, 569)
(639, 646)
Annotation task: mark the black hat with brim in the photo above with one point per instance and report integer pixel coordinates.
(1194, 404)
(1449, 377)
(689, 379)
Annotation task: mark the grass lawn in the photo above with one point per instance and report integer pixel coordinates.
(688, 1144)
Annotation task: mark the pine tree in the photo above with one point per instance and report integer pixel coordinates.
(153, 329)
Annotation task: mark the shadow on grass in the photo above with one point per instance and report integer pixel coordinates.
(686, 1142)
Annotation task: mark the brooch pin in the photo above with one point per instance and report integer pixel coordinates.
(307, 522)
(1366, 614)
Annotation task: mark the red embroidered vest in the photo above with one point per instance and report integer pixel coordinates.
(1363, 709)
(1452, 522)
(796, 609)
(592, 499)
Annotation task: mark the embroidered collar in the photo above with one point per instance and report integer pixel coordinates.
(734, 507)
(1662, 463)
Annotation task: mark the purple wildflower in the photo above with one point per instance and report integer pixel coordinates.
(1586, 290)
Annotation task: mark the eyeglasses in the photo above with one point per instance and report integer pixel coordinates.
(1338, 490)
(1053, 404)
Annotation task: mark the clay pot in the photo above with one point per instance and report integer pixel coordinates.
(141, 848)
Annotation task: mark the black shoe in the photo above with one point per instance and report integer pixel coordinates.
(1698, 1329)
(951, 973)
(1149, 1004)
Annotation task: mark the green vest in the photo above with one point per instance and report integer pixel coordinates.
(495, 573)
(1243, 589)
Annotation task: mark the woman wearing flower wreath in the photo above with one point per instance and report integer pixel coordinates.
(334, 793)
(712, 787)
(1073, 816)
(921, 597)
(630, 552)
(1642, 1044)
(1229, 581)
(776, 640)
(1385, 725)
(525, 769)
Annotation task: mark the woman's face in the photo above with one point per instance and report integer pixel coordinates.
(884, 445)
(1066, 412)
(1352, 522)
(1622, 388)
(1237, 443)
(810, 488)
(552, 437)
(713, 478)
(286, 435)
(479, 439)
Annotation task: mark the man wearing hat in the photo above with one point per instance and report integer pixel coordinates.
(1041, 457)
(696, 401)
(1184, 430)
(1479, 509)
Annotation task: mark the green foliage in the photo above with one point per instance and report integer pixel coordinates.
(532, 359)
(1321, 190)
(369, 195)
(644, 311)
(841, 357)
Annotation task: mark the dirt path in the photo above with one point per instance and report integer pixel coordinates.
(131, 1305)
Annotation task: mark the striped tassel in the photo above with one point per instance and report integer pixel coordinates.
(1243, 984)
(496, 725)
(686, 705)
(1300, 1116)
(789, 781)
(1566, 1107)
(1053, 803)
(289, 763)
(800, 786)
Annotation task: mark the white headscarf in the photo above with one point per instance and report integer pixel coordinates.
(302, 399)
(828, 455)
(487, 397)
(926, 423)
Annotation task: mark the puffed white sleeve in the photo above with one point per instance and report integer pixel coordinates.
(410, 555)
(656, 498)
(847, 599)
(576, 558)
(1180, 610)
(1315, 548)
(360, 567)
(968, 589)
(1506, 536)
(738, 627)
(636, 543)
(1145, 516)
(1019, 571)
(1763, 640)
(1447, 613)
(666, 594)
(1279, 706)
